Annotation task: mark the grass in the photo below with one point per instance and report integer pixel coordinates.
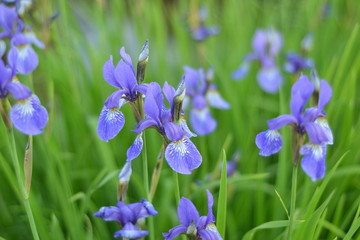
(75, 173)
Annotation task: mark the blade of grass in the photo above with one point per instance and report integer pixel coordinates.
(222, 200)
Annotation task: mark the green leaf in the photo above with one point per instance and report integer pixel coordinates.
(222, 200)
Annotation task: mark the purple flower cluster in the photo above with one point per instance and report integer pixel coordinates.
(202, 93)
(28, 115)
(200, 31)
(192, 224)
(128, 216)
(310, 121)
(266, 46)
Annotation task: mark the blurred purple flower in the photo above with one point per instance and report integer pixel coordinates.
(111, 119)
(296, 63)
(266, 46)
(180, 153)
(201, 31)
(127, 215)
(192, 224)
(310, 121)
(202, 94)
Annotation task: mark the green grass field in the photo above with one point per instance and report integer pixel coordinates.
(75, 172)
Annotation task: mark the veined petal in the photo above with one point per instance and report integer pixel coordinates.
(324, 94)
(210, 234)
(111, 121)
(317, 134)
(174, 232)
(108, 73)
(241, 72)
(269, 142)
(173, 131)
(280, 121)
(124, 75)
(28, 116)
(182, 156)
(25, 58)
(202, 121)
(131, 231)
(18, 90)
(115, 99)
(187, 212)
(270, 79)
(313, 162)
(323, 123)
(215, 100)
(135, 149)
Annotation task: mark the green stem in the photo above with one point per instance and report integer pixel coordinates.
(293, 201)
(19, 180)
(156, 173)
(177, 188)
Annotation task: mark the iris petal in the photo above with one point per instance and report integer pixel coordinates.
(270, 79)
(187, 212)
(135, 149)
(174, 232)
(111, 121)
(202, 121)
(24, 57)
(215, 100)
(269, 142)
(313, 162)
(279, 122)
(182, 156)
(131, 231)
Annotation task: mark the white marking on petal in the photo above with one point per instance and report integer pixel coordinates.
(317, 151)
(272, 135)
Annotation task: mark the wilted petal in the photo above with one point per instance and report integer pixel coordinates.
(18, 90)
(28, 116)
(241, 72)
(187, 212)
(279, 122)
(215, 100)
(324, 95)
(111, 121)
(130, 231)
(182, 156)
(270, 79)
(135, 148)
(125, 172)
(202, 121)
(269, 142)
(313, 162)
(174, 232)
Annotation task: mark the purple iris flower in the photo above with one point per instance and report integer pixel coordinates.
(127, 215)
(9, 21)
(266, 46)
(202, 94)
(310, 121)
(201, 31)
(27, 115)
(180, 153)
(192, 224)
(111, 119)
(296, 63)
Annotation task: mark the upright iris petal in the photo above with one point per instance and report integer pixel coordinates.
(28, 116)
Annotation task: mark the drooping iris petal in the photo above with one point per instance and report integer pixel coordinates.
(202, 121)
(18, 90)
(147, 209)
(187, 212)
(111, 121)
(173, 131)
(269, 142)
(325, 94)
(130, 231)
(209, 234)
(270, 79)
(25, 57)
(313, 162)
(215, 100)
(108, 213)
(135, 149)
(144, 124)
(241, 72)
(182, 156)
(31, 37)
(279, 122)
(174, 232)
(28, 116)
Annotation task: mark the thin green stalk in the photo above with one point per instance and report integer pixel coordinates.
(156, 173)
(19, 180)
(177, 188)
(293, 201)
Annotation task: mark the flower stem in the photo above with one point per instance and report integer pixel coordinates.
(19, 180)
(177, 188)
(156, 173)
(293, 201)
